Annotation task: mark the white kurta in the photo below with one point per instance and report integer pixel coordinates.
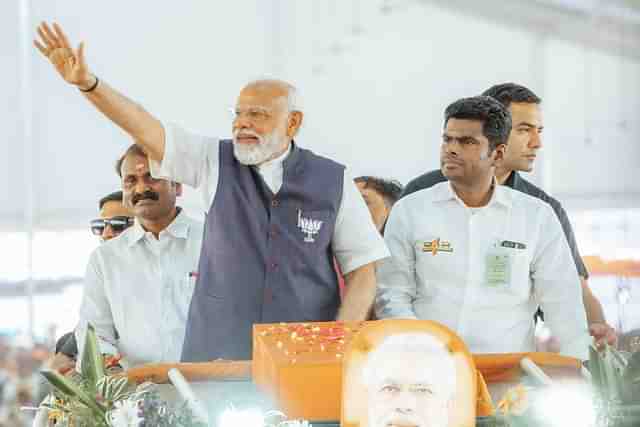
(141, 287)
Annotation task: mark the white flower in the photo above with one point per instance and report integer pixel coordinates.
(125, 414)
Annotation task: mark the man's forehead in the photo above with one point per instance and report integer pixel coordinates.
(529, 113)
(261, 96)
(412, 376)
(391, 360)
(134, 164)
(367, 191)
(114, 208)
(464, 127)
(362, 185)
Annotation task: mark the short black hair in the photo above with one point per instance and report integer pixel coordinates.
(67, 345)
(113, 197)
(133, 149)
(495, 117)
(506, 93)
(389, 189)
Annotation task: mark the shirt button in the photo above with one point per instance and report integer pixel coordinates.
(274, 266)
(275, 203)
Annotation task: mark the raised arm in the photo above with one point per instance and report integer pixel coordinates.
(71, 64)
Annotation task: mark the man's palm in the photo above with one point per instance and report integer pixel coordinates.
(69, 63)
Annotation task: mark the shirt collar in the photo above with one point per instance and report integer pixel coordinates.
(179, 229)
(501, 195)
(276, 163)
(514, 181)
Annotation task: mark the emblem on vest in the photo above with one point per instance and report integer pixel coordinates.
(308, 226)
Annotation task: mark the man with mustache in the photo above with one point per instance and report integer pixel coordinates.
(140, 284)
(477, 256)
(278, 213)
(524, 142)
(411, 382)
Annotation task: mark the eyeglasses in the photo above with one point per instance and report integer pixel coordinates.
(118, 224)
(253, 114)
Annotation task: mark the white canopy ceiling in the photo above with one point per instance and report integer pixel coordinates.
(375, 77)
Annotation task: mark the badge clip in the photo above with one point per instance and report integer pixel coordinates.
(513, 245)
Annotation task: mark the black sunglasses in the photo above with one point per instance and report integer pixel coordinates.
(118, 224)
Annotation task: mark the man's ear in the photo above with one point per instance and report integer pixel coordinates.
(498, 154)
(294, 122)
(178, 189)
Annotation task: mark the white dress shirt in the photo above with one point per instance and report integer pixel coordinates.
(141, 287)
(194, 160)
(442, 254)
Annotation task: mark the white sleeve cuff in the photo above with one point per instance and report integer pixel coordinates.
(162, 170)
(377, 254)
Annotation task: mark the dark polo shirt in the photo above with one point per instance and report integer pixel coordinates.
(518, 183)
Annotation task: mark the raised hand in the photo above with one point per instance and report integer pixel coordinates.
(69, 63)
(603, 333)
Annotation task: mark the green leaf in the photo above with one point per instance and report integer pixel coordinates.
(72, 390)
(92, 362)
(613, 376)
(631, 379)
(596, 369)
(632, 373)
(114, 388)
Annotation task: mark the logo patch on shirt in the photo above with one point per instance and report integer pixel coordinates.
(309, 226)
(436, 246)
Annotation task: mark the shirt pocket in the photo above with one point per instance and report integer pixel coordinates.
(519, 277)
(434, 263)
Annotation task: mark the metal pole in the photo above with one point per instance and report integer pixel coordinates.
(543, 169)
(26, 51)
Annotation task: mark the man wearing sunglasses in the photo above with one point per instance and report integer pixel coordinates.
(140, 284)
(114, 217)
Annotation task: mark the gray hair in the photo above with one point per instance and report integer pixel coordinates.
(292, 98)
(422, 343)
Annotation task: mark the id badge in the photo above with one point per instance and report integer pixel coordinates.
(498, 268)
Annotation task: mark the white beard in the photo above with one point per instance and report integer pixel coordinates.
(253, 154)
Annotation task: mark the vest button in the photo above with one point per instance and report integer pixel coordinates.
(275, 203)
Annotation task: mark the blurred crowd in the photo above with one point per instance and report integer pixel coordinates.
(20, 382)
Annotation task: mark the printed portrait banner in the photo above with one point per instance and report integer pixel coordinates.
(408, 373)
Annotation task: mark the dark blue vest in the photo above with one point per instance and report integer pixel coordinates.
(265, 257)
